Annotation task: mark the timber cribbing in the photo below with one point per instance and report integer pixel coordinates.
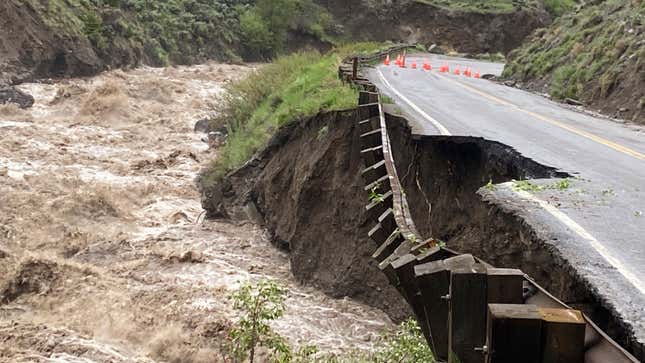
(468, 310)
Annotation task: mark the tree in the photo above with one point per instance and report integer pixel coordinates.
(259, 304)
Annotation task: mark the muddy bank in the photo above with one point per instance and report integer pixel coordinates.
(306, 187)
(447, 177)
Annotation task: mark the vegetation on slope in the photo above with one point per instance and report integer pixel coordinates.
(555, 7)
(291, 88)
(596, 55)
(185, 31)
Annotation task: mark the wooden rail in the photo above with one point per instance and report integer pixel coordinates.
(468, 311)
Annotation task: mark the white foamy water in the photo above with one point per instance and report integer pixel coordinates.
(124, 176)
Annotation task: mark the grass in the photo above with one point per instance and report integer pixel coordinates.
(585, 54)
(291, 88)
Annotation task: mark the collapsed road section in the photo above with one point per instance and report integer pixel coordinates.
(454, 168)
(326, 183)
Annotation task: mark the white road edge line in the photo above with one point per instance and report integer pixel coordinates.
(442, 129)
(556, 213)
(577, 229)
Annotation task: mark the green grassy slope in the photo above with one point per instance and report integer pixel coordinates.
(595, 54)
(291, 88)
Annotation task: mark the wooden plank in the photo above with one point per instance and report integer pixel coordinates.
(433, 280)
(563, 336)
(468, 312)
(404, 268)
(505, 286)
(514, 333)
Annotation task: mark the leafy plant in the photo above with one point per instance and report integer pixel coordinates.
(406, 344)
(562, 184)
(258, 304)
(375, 196)
(526, 186)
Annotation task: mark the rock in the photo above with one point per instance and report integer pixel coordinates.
(623, 109)
(192, 257)
(14, 95)
(202, 125)
(216, 139)
(490, 77)
(510, 83)
(435, 49)
(572, 101)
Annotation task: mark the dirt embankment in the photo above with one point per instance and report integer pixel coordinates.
(416, 22)
(307, 189)
(31, 47)
(444, 175)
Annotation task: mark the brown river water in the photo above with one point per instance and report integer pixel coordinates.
(102, 255)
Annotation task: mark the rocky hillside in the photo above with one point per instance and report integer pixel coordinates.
(595, 54)
(473, 26)
(55, 38)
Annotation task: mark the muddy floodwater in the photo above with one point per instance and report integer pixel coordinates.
(103, 257)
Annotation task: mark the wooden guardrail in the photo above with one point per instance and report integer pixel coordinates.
(468, 310)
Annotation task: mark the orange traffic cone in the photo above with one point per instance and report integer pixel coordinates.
(387, 60)
(477, 74)
(457, 71)
(427, 66)
(467, 72)
(414, 65)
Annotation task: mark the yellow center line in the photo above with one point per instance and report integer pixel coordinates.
(588, 135)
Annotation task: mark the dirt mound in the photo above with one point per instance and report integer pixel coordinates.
(307, 188)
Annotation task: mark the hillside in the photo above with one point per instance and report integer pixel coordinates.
(45, 38)
(595, 54)
(467, 26)
(58, 38)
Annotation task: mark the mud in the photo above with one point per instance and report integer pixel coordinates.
(103, 254)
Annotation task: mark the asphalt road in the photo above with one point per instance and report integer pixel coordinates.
(598, 222)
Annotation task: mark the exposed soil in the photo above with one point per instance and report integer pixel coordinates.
(445, 176)
(103, 254)
(307, 189)
(416, 22)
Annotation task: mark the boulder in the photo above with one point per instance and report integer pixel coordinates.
(14, 95)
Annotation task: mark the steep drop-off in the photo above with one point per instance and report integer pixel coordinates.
(306, 188)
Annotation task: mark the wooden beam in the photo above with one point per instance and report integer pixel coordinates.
(514, 333)
(505, 286)
(468, 312)
(563, 336)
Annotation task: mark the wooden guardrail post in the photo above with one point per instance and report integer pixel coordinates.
(563, 336)
(505, 286)
(514, 333)
(467, 319)
(354, 68)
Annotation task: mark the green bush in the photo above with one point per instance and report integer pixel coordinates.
(559, 7)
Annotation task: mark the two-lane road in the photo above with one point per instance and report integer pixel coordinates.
(599, 222)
